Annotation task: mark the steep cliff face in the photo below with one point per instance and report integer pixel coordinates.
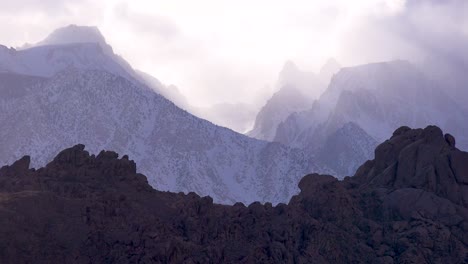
(408, 205)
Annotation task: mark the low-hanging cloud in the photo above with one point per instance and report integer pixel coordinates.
(142, 23)
(420, 30)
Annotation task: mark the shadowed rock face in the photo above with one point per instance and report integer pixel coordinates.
(408, 205)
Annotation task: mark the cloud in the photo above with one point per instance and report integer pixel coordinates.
(142, 23)
(420, 30)
(29, 21)
(439, 27)
(32, 6)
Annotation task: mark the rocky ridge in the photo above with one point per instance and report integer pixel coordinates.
(408, 205)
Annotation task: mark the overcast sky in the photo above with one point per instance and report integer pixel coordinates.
(231, 51)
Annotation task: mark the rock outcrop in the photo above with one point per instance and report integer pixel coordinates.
(408, 205)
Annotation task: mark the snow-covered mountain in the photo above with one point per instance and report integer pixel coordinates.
(297, 91)
(84, 47)
(69, 47)
(46, 61)
(74, 34)
(376, 98)
(80, 47)
(55, 96)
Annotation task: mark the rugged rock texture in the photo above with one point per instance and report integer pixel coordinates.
(408, 205)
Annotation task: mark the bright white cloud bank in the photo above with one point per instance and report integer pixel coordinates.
(231, 51)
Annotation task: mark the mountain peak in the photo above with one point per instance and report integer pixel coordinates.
(289, 68)
(74, 34)
(330, 68)
(331, 63)
(289, 74)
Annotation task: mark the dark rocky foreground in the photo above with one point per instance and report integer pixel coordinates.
(409, 205)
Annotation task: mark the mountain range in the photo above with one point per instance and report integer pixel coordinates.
(62, 92)
(72, 88)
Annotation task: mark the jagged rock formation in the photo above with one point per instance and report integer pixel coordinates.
(408, 205)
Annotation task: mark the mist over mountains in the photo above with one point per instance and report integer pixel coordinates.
(361, 106)
(390, 92)
(71, 88)
(264, 180)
